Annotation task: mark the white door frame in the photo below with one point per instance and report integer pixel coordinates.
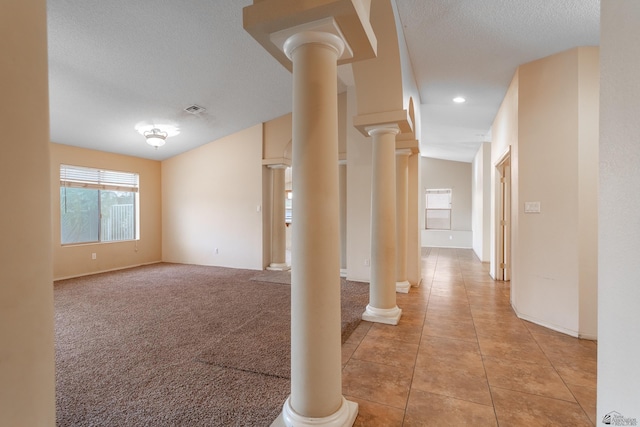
(503, 217)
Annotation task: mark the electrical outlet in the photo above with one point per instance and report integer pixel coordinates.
(217, 252)
(367, 262)
(94, 256)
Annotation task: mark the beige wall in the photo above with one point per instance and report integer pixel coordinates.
(414, 255)
(588, 169)
(343, 122)
(277, 140)
(481, 202)
(267, 206)
(212, 198)
(546, 279)
(619, 229)
(27, 377)
(379, 80)
(551, 127)
(358, 197)
(438, 173)
(76, 260)
(504, 133)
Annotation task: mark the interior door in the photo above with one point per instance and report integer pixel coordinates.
(503, 237)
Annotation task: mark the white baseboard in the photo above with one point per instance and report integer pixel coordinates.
(105, 271)
(556, 328)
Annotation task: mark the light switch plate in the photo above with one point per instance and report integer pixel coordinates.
(531, 207)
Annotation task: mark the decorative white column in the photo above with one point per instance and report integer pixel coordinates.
(402, 203)
(382, 306)
(342, 182)
(316, 369)
(278, 226)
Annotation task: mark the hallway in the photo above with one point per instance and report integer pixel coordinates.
(460, 356)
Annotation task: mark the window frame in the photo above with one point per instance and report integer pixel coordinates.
(439, 206)
(100, 180)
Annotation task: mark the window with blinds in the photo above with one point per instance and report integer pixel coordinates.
(98, 205)
(438, 209)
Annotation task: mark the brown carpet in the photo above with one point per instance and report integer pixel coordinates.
(177, 345)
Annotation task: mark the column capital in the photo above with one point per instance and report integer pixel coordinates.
(403, 152)
(314, 37)
(272, 22)
(399, 118)
(384, 128)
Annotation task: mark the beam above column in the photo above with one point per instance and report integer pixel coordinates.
(399, 118)
(270, 22)
(409, 144)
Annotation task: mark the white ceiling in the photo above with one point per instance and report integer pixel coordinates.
(117, 64)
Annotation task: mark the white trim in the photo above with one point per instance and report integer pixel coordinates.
(279, 266)
(107, 271)
(556, 328)
(403, 287)
(382, 129)
(389, 316)
(503, 157)
(345, 416)
(325, 31)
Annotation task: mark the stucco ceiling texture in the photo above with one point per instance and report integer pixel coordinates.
(471, 48)
(117, 64)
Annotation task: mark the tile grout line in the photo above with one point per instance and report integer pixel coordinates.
(553, 365)
(486, 377)
(413, 373)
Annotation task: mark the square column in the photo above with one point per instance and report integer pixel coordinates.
(278, 226)
(342, 182)
(402, 203)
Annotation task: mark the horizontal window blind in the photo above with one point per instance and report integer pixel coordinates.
(438, 209)
(81, 177)
(438, 199)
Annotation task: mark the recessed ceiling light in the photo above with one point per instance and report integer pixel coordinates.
(459, 100)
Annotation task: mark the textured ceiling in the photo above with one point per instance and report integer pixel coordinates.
(472, 48)
(117, 64)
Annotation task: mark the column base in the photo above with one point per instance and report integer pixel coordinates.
(403, 287)
(277, 266)
(389, 316)
(343, 417)
(343, 272)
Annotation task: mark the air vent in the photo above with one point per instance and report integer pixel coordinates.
(195, 109)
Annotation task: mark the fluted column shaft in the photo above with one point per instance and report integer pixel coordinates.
(316, 370)
(402, 202)
(278, 227)
(382, 295)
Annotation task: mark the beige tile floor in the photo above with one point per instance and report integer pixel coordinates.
(460, 356)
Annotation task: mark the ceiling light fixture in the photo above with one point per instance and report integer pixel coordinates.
(155, 137)
(459, 100)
